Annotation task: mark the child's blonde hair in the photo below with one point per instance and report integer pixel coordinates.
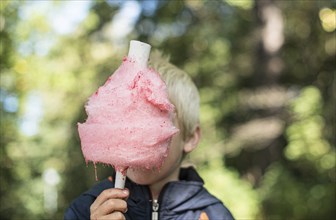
(182, 93)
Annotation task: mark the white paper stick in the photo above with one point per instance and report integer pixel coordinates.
(139, 52)
(120, 180)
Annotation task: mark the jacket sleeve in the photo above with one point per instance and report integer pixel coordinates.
(218, 211)
(79, 208)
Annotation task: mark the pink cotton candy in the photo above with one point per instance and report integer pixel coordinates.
(129, 120)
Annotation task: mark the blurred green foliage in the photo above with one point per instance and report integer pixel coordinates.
(267, 111)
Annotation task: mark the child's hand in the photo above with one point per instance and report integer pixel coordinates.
(110, 204)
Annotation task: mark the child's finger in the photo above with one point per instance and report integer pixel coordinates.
(114, 216)
(108, 194)
(111, 206)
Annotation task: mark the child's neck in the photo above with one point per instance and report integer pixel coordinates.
(157, 187)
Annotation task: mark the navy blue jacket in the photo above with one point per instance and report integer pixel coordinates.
(184, 199)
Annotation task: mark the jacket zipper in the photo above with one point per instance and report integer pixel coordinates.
(155, 210)
(156, 202)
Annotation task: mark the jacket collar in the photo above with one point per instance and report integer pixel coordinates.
(190, 174)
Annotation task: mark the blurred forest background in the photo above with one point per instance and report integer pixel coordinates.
(266, 74)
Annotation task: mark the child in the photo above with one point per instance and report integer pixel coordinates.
(172, 192)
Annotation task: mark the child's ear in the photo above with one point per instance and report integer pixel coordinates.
(193, 141)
